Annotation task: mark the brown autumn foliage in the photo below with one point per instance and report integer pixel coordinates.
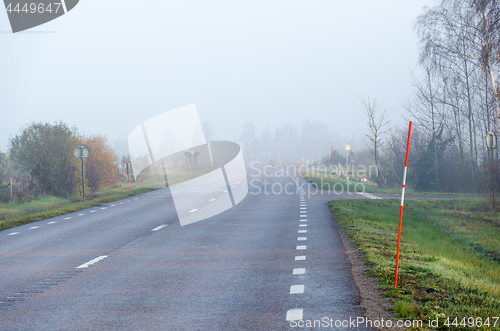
(100, 167)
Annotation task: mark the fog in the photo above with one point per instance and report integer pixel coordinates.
(107, 66)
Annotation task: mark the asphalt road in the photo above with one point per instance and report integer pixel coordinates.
(274, 258)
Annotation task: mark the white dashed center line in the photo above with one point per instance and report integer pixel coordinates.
(67, 218)
(302, 238)
(52, 222)
(92, 211)
(81, 214)
(301, 248)
(12, 233)
(302, 231)
(91, 262)
(299, 271)
(303, 220)
(303, 215)
(300, 258)
(103, 208)
(33, 227)
(192, 211)
(302, 224)
(212, 199)
(296, 289)
(159, 227)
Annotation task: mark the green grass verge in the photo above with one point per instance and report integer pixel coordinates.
(449, 257)
(15, 214)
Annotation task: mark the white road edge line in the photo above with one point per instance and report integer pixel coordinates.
(91, 262)
(159, 227)
(299, 271)
(296, 289)
(295, 314)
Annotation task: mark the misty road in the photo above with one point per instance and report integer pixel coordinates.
(129, 265)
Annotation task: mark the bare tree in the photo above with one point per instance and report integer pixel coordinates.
(376, 125)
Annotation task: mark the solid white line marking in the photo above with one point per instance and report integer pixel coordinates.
(67, 218)
(159, 227)
(296, 289)
(33, 227)
(302, 238)
(368, 195)
(12, 233)
(52, 222)
(302, 224)
(299, 271)
(192, 211)
(294, 314)
(91, 262)
(212, 199)
(301, 248)
(302, 231)
(300, 258)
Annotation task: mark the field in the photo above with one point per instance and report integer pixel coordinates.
(449, 259)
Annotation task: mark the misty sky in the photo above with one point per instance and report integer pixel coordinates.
(108, 65)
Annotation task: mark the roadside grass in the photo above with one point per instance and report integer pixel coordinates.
(320, 179)
(14, 214)
(449, 257)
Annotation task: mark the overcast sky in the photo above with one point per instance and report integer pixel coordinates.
(108, 65)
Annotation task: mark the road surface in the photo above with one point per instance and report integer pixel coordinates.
(273, 259)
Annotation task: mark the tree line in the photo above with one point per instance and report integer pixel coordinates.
(454, 104)
(40, 160)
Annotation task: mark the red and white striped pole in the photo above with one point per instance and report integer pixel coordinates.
(401, 207)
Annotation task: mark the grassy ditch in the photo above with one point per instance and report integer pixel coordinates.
(449, 258)
(14, 214)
